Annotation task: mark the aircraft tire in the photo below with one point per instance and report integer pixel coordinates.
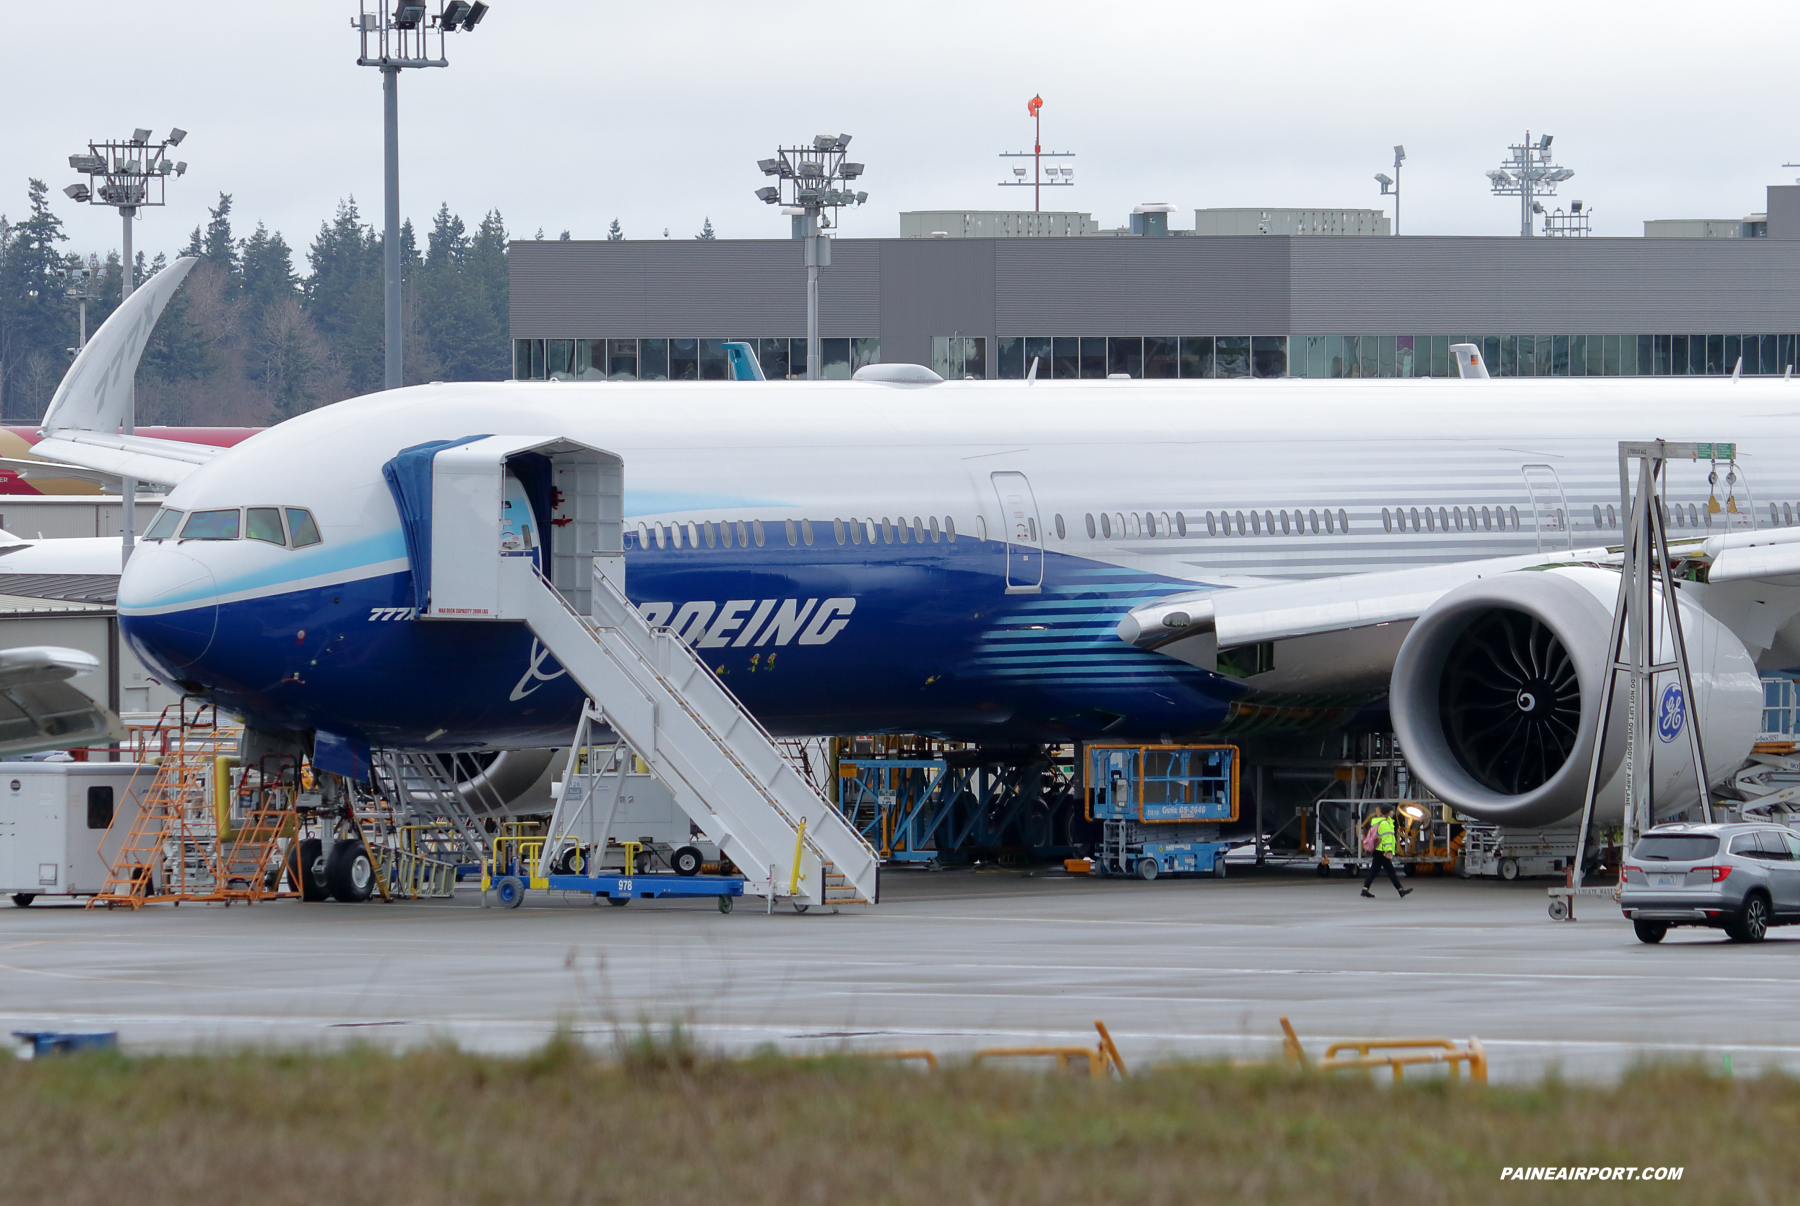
(307, 853)
(350, 873)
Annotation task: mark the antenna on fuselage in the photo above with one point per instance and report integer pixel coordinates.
(1031, 375)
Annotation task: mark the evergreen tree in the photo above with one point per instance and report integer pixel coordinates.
(488, 272)
(37, 320)
(343, 297)
(614, 233)
(563, 237)
(706, 234)
(219, 246)
(267, 272)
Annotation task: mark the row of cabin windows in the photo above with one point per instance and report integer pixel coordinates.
(1445, 519)
(231, 523)
(747, 533)
(1129, 525)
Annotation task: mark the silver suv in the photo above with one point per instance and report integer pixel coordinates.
(1741, 878)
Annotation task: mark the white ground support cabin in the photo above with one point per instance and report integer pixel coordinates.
(61, 823)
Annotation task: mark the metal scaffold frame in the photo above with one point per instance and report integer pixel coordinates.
(1631, 650)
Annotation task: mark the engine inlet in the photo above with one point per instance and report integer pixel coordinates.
(1511, 702)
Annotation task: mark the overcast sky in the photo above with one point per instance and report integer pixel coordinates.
(567, 113)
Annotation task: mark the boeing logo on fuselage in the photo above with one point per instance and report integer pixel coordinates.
(705, 624)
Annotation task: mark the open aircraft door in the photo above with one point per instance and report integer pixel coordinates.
(1024, 535)
(1549, 508)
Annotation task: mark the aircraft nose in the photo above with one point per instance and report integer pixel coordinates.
(168, 601)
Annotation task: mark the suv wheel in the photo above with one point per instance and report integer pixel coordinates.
(1752, 922)
(1650, 931)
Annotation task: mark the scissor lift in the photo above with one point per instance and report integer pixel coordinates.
(1161, 807)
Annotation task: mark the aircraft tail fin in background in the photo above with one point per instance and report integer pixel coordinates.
(1469, 364)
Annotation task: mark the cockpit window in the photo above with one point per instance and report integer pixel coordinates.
(265, 524)
(164, 525)
(211, 525)
(302, 527)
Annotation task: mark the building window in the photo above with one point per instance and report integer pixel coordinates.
(772, 355)
(528, 359)
(1162, 357)
(1269, 355)
(1125, 354)
(954, 357)
(1232, 356)
(1197, 355)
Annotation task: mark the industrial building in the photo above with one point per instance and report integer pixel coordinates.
(988, 299)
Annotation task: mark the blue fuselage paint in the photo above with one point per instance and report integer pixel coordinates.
(932, 644)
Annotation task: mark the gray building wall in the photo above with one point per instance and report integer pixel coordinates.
(905, 291)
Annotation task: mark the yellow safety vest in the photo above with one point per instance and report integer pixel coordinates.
(1384, 835)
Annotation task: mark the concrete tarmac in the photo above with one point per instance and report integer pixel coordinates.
(949, 961)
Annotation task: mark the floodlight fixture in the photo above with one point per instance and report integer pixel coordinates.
(1537, 207)
(1575, 207)
(810, 180)
(394, 35)
(77, 192)
(1533, 176)
(1068, 171)
(140, 137)
(1386, 181)
(1057, 175)
(1399, 154)
(1018, 171)
(175, 136)
(1413, 811)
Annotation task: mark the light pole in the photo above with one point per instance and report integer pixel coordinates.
(814, 179)
(127, 175)
(1391, 187)
(401, 39)
(1059, 176)
(1528, 175)
(81, 286)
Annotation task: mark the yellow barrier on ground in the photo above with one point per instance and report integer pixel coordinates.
(1099, 1058)
(1398, 1055)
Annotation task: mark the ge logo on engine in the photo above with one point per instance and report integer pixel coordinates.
(1671, 714)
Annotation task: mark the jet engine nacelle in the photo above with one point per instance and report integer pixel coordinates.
(1496, 696)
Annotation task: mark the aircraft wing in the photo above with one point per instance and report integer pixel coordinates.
(111, 457)
(1281, 611)
(41, 710)
(1342, 633)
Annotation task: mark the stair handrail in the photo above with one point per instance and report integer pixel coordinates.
(624, 604)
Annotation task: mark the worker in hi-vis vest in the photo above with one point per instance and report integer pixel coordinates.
(1379, 844)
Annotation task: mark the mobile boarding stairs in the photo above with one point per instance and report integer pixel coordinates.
(472, 561)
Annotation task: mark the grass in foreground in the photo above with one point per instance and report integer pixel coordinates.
(661, 1124)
